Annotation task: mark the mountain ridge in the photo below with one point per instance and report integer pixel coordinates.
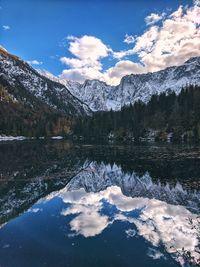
(33, 105)
(22, 83)
(96, 95)
(16, 71)
(103, 97)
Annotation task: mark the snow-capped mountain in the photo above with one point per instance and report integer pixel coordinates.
(74, 98)
(15, 73)
(100, 96)
(141, 87)
(93, 92)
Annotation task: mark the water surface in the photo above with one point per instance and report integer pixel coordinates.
(63, 204)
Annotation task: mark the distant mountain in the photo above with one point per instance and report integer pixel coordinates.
(166, 117)
(100, 96)
(16, 73)
(39, 103)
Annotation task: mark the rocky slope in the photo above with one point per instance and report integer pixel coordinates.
(73, 98)
(15, 73)
(100, 96)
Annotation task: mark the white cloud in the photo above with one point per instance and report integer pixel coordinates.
(88, 47)
(173, 43)
(88, 50)
(6, 27)
(170, 43)
(158, 222)
(111, 75)
(88, 223)
(122, 68)
(129, 39)
(81, 74)
(35, 62)
(153, 18)
(155, 254)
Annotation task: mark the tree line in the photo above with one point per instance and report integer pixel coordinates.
(167, 116)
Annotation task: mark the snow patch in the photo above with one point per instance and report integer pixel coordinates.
(12, 138)
(57, 137)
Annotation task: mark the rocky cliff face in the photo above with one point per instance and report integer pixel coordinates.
(100, 96)
(74, 98)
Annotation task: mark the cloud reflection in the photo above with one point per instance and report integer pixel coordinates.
(158, 222)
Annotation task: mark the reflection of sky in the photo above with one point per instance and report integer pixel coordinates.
(96, 177)
(103, 202)
(159, 223)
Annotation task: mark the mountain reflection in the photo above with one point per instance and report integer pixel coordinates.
(31, 170)
(98, 176)
(151, 192)
(134, 200)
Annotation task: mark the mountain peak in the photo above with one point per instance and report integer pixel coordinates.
(193, 60)
(95, 93)
(100, 96)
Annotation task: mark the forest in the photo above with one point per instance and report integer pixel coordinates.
(27, 116)
(166, 117)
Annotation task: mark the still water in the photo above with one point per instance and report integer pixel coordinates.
(63, 204)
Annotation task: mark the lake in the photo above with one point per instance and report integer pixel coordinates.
(64, 204)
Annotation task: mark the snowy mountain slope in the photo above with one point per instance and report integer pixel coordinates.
(100, 96)
(18, 73)
(142, 87)
(73, 86)
(74, 98)
(96, 94)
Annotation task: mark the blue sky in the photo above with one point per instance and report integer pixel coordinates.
(37, 31)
